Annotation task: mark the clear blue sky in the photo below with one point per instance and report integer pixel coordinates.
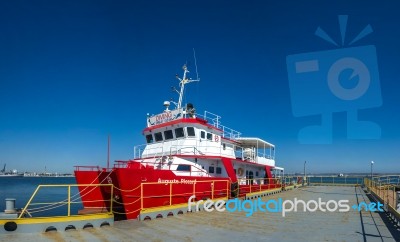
(72, 72)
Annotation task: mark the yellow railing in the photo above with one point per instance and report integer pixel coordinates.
(217, 187)
(292, 180)
(258, 184)
(75, 199)
(383, 189)
(176, 192)
(172, 193)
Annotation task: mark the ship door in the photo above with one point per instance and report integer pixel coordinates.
(250, 177)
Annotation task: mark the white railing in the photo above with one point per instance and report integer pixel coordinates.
(238, 152)
(214, 120)
(251, 156)
(140, 152)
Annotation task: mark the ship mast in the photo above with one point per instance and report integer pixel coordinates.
(184, 80)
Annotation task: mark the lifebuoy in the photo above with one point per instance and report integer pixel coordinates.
(216, 138)
(240, 171)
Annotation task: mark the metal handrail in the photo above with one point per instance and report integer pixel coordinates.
(62, 203)
(170, 194)
(90, 168)
(385, 193)
(335, 180)
(226, 131)
(196, 150)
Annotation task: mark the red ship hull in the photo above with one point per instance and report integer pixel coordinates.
(137, 187)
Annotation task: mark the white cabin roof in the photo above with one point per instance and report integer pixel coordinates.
(254, 142)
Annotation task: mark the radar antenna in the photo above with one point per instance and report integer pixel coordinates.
(184, 80)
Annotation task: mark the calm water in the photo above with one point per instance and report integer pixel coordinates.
(22, 188)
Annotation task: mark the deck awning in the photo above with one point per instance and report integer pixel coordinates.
(279, 168)
(254, 142)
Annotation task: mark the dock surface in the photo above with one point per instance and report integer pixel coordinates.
(353, 225)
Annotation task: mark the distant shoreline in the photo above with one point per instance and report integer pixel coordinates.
(34, 174)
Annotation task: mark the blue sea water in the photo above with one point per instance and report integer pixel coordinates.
(22, 188)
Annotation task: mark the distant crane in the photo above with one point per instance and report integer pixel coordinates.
(4, 169)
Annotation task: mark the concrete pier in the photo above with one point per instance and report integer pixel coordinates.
(353, 225)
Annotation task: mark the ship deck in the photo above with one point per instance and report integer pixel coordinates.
(261, 226)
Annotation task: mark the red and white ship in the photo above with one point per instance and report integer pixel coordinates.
(185, 154)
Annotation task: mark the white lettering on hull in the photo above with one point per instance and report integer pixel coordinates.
(182, 181)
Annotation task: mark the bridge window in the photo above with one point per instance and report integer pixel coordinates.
(179, 133)
(149, 138)
(211, 169)
(202, 134)
(158, 136)
(190, 132)
(183, 168)
(209, 136)
(219, 170)
(168, 134)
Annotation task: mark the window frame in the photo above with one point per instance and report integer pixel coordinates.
(169, 131)
(155, 137)
(187, 131)
(184, 165)
(183, 133)
(147, 139)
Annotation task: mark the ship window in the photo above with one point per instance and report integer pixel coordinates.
(183, 168)
(219, 170)
(256, 173)
(211, 169)
(149, 138)
(158, 136)
(168, 135)
(224, 146)
(179, 133)
(209, 136)
(202, 134)
(190, 131)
